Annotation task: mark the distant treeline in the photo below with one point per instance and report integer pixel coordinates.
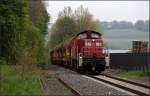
(139, 25)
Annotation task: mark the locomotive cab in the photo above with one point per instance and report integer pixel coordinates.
(91, 51)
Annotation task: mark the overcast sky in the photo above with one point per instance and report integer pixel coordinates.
(104, 10)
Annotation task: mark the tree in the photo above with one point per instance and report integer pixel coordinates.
(21, 31)
(38, 14)
(115, 24)
(55, 37)
(125, 25)
(146, 26)
(85, 21)
(64, 27)
(139, 25)
(98, 26)
(13, 17)
(39, 19)
(70, 23)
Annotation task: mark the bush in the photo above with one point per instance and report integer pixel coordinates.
(13, 83)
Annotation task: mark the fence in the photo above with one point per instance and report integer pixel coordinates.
(130, 61)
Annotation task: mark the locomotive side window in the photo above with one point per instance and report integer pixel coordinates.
(82, 36)
(88, 44)
(93, 35)
(98, 44)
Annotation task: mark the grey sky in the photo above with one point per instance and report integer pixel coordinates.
(105, 10)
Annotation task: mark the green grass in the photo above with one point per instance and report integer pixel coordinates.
(135, 74)
(13, 83)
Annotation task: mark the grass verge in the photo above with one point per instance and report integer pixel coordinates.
(135, 74)
(13, 82)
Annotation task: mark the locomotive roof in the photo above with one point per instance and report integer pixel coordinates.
(89, 31)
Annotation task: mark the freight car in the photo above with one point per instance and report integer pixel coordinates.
(85, 51)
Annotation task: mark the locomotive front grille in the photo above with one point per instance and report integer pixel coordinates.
(98, 63)
(91, 61)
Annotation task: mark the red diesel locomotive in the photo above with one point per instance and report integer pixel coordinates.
(85, 51)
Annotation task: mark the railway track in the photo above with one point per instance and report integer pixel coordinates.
(75, 92)
(136, 88)
(130, 86)
(126, 80)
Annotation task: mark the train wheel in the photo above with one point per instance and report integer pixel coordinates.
(74, 64)
(99, 72)
(77, 65)
(93, 69)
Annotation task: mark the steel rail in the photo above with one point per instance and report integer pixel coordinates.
(117, 85)
(120, 86)
(42, 83)
(128, 81)
(77, 93)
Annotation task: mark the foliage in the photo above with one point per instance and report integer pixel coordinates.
(22, 32)
(55, 37)
(70, 23)
(142, 25)
(12, 82)
(23, 24)
(85, 21)
(39, 18)
(12, 28)
(135, 74)
(38, 14)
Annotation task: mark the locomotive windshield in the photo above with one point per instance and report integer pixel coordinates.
(82, 36)
(93, 35)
